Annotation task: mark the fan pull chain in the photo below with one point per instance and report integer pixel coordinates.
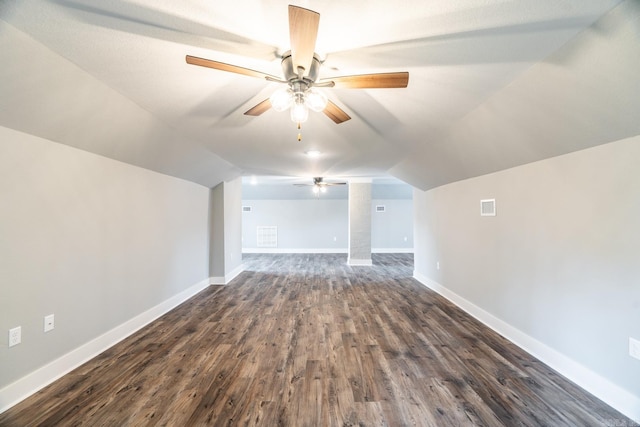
(299, 133)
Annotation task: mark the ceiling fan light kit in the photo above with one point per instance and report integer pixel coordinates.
(301, 70)
(320, 185)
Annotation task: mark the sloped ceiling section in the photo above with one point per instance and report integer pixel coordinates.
(492, 85)
(585, 94)
(52, 98)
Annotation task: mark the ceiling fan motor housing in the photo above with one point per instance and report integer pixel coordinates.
(292, 76)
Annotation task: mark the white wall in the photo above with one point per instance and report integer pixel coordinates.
(312, 224)
(95, 241)
(559, 264)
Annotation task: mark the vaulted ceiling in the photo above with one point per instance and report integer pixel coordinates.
(493, 84)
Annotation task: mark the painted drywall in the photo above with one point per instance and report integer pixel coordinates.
(216, 230)
(393, 228)
(92, 240)
(225, 216)
(314, 223)
(302, 224)
(232, 225)
(561, 260)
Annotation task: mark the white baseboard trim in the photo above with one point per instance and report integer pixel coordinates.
(322, 251)
(613, 395)
(294, 251)
(360, 262)
(230, 276)
(41, 377)
(391, 250)
(219, 280)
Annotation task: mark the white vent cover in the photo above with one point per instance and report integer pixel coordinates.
(488, 207)
(380, 208)
(267, 236)
(246, 209)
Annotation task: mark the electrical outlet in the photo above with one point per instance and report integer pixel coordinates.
(634, 348)
(15, 336)
(48, 323)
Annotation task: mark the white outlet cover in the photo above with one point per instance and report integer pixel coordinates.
(49, 323)
(15, 336)
(634, 348)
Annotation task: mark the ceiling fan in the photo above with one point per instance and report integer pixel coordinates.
(300, 67)
(319, 185)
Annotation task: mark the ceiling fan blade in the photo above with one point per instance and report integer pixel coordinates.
(194, 60)
(335, 113)
(303, 32)
(371, 81)
(259, 109)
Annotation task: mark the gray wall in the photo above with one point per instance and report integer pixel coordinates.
(92, 240)
(302, 224)
(390, 228)
(216, 230)
(560, 261)
(313, 223)
(225, 216)
(232, 225)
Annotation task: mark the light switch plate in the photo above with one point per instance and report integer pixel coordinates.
(48, 323)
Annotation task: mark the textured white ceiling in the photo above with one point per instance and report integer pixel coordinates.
(493, 84)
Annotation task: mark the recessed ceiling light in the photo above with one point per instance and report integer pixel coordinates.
(312, 153)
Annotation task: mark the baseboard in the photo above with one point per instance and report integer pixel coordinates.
(360, 262)
(391, 250)
(322, 251)
(613, 395)
(41, 377)
(294, 251)
(230, 276)
(219, 280)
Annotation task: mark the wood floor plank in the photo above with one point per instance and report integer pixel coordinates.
(304, 339)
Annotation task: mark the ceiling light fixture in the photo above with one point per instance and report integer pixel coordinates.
(300, 96)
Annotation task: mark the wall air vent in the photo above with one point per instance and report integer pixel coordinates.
(380, 208)
(246, 209)
(488, 207)
(267, 236)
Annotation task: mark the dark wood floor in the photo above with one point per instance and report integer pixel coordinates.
(305, 340)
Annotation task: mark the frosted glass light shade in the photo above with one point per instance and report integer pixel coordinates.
(315, 99)
(299, 112)
(281, 99)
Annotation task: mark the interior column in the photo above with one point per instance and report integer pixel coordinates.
(359, 222)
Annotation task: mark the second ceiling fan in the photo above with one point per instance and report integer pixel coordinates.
(300, 68)
(320, 185)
